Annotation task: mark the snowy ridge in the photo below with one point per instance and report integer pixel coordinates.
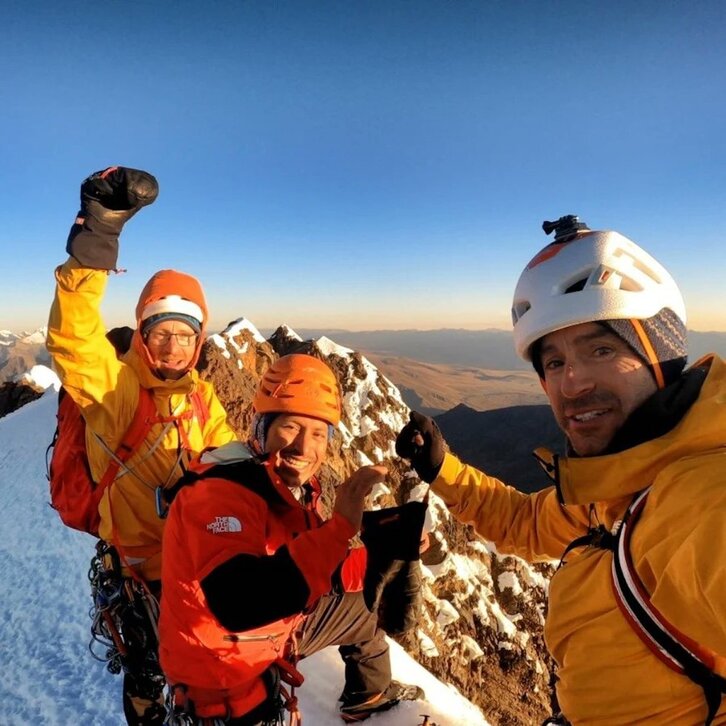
(237, 326)
(235, 339)
(7, 337)
(477, 593)
(289, 333)
(37, 337)
(19, 353)
(371, 403)
(40, 378)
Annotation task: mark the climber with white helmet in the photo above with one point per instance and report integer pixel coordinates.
(637, 608)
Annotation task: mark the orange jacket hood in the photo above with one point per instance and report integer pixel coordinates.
(161, 284)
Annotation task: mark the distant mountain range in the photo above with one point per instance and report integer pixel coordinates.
(433, 388)
(20, 352)
(492, 349)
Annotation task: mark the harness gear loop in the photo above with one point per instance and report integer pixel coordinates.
(124, 615)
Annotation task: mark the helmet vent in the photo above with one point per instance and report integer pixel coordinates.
(577, 286)
(519, 309)
(629, 284)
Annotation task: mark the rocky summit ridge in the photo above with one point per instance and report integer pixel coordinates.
(481, 624)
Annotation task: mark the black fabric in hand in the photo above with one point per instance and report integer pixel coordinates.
(421, 442)
(392, 584)
(109, 198)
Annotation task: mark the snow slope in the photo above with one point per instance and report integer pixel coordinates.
(48, 676)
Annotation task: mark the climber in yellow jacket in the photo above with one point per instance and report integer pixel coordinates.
(603, 324)
(171, 318)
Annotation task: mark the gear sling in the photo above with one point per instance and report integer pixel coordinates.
(666, 642)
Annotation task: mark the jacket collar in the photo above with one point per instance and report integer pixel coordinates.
(184, 385)
(696, 423)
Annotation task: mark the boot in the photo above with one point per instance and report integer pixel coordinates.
(353, 712)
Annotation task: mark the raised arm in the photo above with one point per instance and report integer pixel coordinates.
(86, 362)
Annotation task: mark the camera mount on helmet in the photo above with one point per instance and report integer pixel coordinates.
(565, 228)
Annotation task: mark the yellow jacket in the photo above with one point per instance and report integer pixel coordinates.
(107, 391)
(607, 675)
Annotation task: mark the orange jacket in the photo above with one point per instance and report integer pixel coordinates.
(270, 558)
(606, 674)
(107, 391)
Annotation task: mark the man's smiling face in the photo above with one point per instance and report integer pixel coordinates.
(300, 444)
(171, 345)
(594, 381)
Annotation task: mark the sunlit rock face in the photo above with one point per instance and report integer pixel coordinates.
(480, 628)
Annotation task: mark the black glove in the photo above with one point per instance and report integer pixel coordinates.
(394, 533)
(392, 583)
(421, 442)
(109, 198)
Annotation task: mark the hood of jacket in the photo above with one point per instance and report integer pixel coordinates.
(625, 472)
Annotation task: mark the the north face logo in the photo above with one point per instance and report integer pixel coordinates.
(224, 524)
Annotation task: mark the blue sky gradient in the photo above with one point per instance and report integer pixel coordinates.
(363, 164)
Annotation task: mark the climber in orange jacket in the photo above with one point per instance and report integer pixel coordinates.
(171, 318)
(254, 579)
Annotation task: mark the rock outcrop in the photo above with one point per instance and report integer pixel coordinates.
(481, 624)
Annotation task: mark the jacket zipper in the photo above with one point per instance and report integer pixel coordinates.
(251, 638)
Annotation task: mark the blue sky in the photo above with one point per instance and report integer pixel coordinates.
(363, 164)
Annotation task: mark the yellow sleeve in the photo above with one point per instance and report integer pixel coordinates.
(84, 359)
(532, 526)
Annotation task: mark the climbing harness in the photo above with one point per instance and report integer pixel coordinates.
(280, 679)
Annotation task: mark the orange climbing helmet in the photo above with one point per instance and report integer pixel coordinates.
(299, 384)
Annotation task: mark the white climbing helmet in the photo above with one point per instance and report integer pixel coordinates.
(586, 276)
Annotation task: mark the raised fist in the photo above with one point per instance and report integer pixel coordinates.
(119, 188)
(421, 442)
(109, 198)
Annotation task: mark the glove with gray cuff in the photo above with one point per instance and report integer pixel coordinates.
(109, 198)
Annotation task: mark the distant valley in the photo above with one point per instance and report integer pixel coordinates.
(433, 388)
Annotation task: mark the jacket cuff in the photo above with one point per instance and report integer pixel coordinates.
(353, 571)
(450, 468)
